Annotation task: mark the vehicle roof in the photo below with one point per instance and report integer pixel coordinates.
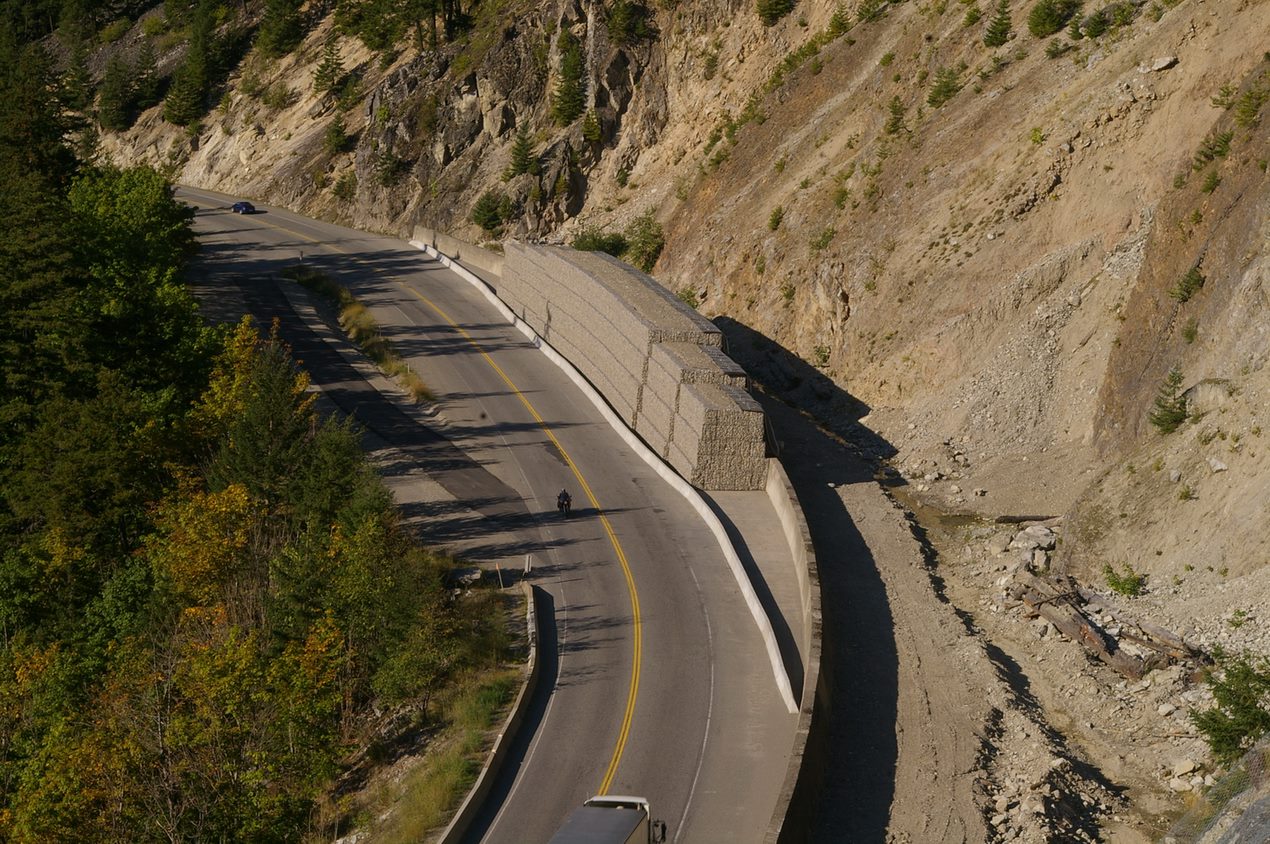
(598, 824)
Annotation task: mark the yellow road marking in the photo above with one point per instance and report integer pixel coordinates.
(633, 691)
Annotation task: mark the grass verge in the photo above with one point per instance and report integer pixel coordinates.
(362, 329)
(431, 791)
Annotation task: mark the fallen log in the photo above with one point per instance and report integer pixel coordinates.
(1056, 608)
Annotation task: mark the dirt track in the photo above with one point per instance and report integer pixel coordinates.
(912, 699)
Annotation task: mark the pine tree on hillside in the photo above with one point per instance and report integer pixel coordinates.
(330, 70)
(186, 101)
(998, 31)
(771, 11)
(1169, 410)
(145, 77)
(522, 154)
(569, 94)
(280, 30)
(115, 96)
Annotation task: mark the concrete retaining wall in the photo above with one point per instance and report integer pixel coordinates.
(804, 776)
(658, 363)
(474, 256)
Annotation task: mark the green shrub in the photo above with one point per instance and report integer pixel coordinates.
(114, 30)
(591, 130)
(973, 15)
(389, 167)
(336, 139)
(1211, 180)
(1190, 331)
(840, 23)
(329, 70)
(644, 241)
(1095, 24)
(1216, 145)
(628, 22)
(595, 239)
(1169, 409)
(1057, 48)
(774, 219)
(688, 296)
(1248, 108)
(870, 10)
(1241, 705)
(823, 239)
(345, 188)
(1049, 16)
(1188, 285)
(1130, 583)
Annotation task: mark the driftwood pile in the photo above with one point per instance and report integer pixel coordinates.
(1130, 646)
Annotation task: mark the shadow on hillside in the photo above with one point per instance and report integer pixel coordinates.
(782, 374)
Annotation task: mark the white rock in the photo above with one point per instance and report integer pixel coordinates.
(954, 489)
(980, 491)
(1183, 766)
(1166, 709)
(1179, 784)
(1216, 465)
(1174, 476)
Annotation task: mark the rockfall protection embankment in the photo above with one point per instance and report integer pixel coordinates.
(658, 363)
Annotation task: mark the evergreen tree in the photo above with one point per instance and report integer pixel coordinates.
(1169, 410)
(1241, 705)
(330, 70)
(998, 31)
(145, 77)
(591, 129)
(895, 123)
(522, 154)
(33, 120)
(115, 96)
(280, 30)
(771, 11)
(1049, 16)
(570, 98)
(191, 84)
(186, 101)
(840, 22)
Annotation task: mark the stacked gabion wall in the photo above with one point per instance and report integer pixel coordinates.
(658, 362)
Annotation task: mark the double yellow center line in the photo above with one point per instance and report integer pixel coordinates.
(633, 691)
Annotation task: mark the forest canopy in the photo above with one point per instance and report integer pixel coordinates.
(205, 594)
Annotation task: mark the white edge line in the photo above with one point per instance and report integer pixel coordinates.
(705, 736)
(687, 490)
(546, 714)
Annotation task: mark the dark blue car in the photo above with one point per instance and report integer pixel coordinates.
(243, 207)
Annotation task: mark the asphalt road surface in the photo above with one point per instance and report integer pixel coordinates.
(655, 681)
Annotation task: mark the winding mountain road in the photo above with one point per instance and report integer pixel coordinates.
(656, 681)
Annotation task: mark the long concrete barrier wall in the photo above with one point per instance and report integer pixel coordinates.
(655, 360)
(474, 256)
(804, 775)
